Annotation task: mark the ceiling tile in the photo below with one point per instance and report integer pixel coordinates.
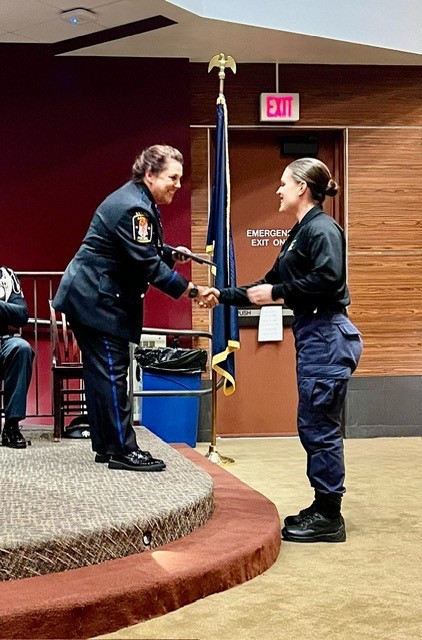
(125, 11)
(24, 13)
(65, 5)
(13, 37)
(57, 30)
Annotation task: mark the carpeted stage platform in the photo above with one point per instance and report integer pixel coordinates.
(65, 512)
(61, 511)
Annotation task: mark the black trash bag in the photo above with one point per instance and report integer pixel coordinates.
(168, 359)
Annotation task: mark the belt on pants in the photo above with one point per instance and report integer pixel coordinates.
(320, 311)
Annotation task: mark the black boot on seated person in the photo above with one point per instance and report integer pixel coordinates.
(136, 461)
(12, 436)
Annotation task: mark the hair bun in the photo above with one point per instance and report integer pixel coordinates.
(332, 188)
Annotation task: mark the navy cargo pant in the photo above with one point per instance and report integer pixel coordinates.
(328, 348)
(105, 363)
(16, 358)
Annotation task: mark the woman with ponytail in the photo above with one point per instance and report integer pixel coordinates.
(309, 276)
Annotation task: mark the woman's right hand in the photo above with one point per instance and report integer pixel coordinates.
(209, 295)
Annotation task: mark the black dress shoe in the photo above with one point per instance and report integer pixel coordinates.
(316, 528)
(12, 437)
(136, 461)
(148, 455)
(105, 457)
(293, 520)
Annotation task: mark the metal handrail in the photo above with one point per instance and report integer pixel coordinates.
(146, 330)
(187, 392)
(44, 323)
(177, 332)
(162, 332)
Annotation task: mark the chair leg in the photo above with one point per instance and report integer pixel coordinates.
(57, 409)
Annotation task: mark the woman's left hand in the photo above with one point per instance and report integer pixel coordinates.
(261, 294)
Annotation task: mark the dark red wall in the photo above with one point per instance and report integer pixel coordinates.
(69, 129)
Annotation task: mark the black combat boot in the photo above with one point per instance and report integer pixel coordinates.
(324, 523)
(12, 436)
(290, 520)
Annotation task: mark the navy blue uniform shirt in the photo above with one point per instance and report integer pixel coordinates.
(310, 270)
(121, 254)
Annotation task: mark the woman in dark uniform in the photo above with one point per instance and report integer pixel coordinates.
(102, 292)
(309, 275)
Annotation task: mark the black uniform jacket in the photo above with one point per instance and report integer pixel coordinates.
(121, 254)
(310, 271)
(13, 309)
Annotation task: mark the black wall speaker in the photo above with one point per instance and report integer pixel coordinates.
(300, 146)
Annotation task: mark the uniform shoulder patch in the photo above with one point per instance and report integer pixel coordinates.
(141, 227)
(8, 284)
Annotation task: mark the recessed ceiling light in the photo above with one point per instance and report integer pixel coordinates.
(78, 16)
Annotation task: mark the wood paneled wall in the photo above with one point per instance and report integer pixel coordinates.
(201, 318)
(330, 95)
(385, 247)
(380, 109)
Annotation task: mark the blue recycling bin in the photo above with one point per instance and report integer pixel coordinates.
(172, 418)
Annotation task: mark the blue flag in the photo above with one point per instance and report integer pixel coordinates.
(219, 241)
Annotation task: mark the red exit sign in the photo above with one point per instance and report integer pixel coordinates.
(279, 107)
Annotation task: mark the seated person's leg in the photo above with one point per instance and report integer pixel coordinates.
(16, 369)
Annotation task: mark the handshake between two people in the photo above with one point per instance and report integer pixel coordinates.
(208, 297)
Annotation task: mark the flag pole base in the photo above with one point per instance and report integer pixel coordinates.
(214, 456)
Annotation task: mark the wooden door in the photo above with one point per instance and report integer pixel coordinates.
(265, 401)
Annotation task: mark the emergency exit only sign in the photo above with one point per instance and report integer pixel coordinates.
(279, 107)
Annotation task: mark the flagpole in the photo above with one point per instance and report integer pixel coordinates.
(213, 455)
(221, 61)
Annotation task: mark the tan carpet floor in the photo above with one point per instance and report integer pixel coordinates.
(369, 588)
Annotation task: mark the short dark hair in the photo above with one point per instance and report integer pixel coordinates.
(154, 159)
(317, 176)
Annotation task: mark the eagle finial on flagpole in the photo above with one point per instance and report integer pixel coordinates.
(222, 61)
